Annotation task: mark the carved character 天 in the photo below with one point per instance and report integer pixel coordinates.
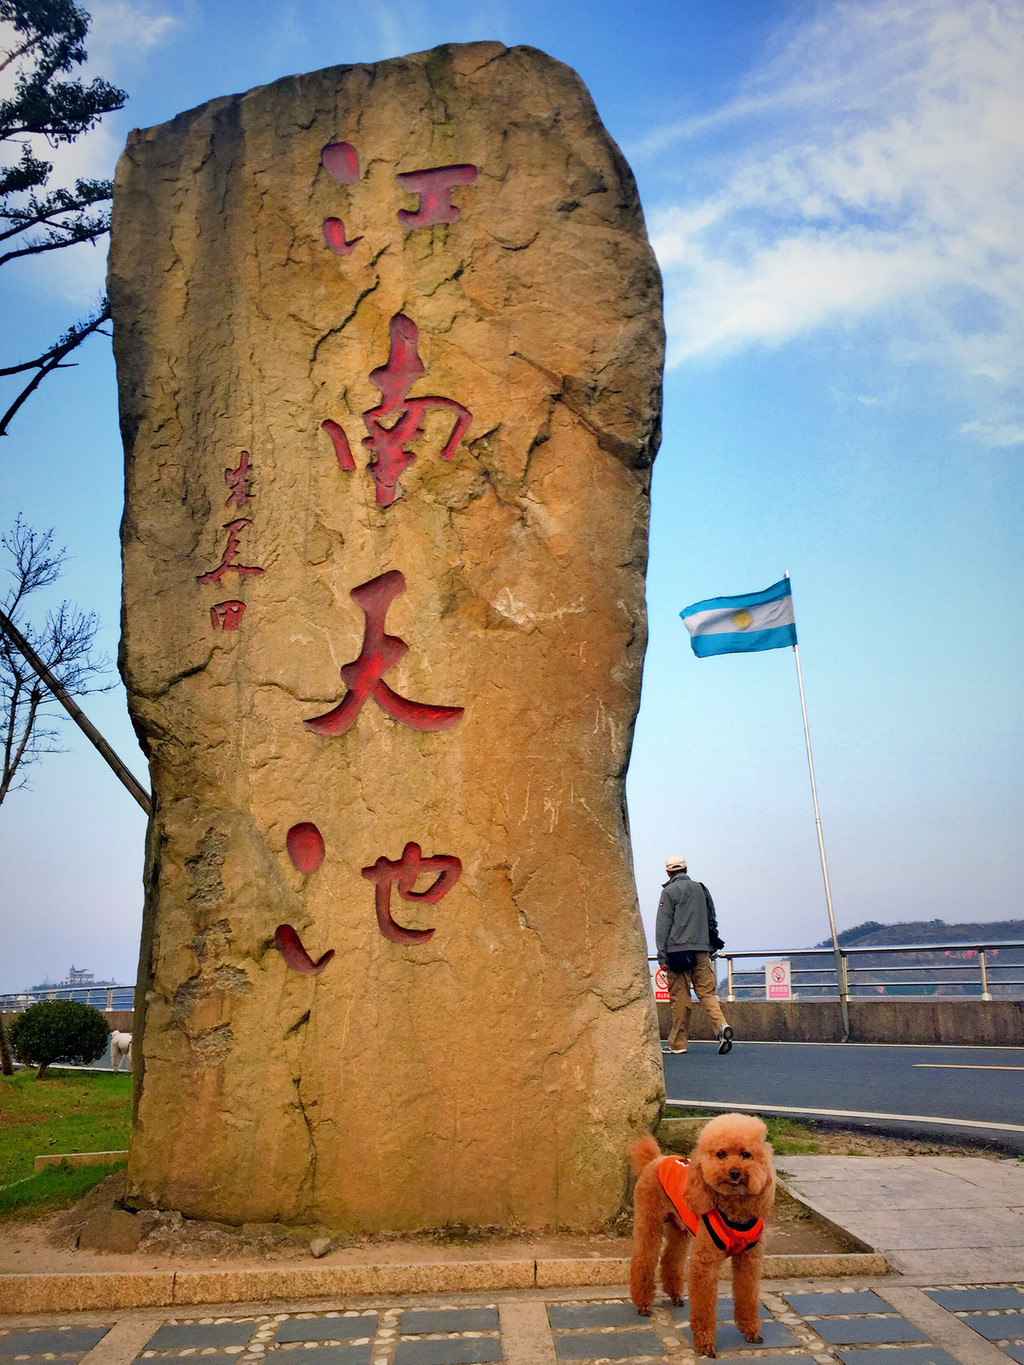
(387, 874)
(364, 677)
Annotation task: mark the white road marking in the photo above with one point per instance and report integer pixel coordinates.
(966, 1066)
(759, 1108)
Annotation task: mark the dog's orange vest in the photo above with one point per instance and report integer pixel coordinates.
(732, 1238)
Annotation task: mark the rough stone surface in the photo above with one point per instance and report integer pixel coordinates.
(495, 1071)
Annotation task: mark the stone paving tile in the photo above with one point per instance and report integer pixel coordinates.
(1015, 1353)
(609, 1346)
(324, 1355)
(900, 1355)
(191, 1334)
(327, 1329)
(1001, 1327)
(997, 1263)
(447, 1351)
(730, 1338)
(48, 1341)
(594, 1315)
(681, 1313)
(853, 1331)
(892, 1229)
(781, 1360)
(962, 1300)
(321, 1355)
(830, 1305)
(449, 1320)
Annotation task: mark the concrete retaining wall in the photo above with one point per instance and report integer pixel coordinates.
(984, 1023)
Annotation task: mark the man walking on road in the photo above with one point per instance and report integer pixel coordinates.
(686, 934)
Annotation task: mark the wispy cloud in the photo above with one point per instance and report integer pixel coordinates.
(874, 163)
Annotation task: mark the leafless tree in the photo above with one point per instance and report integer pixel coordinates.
(64, 642)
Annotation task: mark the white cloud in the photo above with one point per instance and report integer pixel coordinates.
(876, 165)
(124, 28)
(996, 434)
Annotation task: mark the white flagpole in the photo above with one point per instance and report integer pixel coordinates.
(840, 964)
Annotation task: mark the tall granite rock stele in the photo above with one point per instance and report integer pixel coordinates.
(389, 348)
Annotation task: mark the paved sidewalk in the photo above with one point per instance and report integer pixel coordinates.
(883, 1321)
(957, 1217)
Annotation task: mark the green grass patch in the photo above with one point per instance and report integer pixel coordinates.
(67, 1111)
(787, 1137)
(53, 1188)
(790, 1138)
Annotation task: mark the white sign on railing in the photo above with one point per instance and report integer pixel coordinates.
(777, 980)
(661, 985)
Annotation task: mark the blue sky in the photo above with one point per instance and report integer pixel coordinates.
(835, 194)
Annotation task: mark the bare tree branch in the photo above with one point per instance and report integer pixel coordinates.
(63, 645)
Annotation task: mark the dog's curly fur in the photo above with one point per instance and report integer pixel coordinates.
(730, 1169)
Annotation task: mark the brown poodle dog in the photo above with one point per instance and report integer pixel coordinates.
(718, 1201)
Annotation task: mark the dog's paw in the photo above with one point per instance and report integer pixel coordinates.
(752, 1333)
(678, 1301)
(643, 1312)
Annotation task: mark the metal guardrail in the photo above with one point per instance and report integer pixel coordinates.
(978, 965)
(101, 997)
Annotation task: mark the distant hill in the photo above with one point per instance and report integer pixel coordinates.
(871, 934)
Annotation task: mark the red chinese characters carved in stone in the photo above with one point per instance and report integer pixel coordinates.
(291, 949)
(234, 530)
(364, 677)
(227, 615)
(239, 483)
(434, 188)
(341, 162)
(387, 874)
(396, 420)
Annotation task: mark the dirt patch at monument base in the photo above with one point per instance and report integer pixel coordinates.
(167, 1241)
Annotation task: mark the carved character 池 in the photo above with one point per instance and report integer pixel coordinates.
(305, 846)
(397, 418)
(364, 677)
(290, 947)
(386, 874)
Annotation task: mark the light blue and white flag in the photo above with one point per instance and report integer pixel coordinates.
(740, 625)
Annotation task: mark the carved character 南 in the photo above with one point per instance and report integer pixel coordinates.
(396, 420)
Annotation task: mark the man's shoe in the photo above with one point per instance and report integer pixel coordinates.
(678, 1049)
(724, 1036)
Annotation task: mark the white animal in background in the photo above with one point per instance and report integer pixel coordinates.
(120, 1048)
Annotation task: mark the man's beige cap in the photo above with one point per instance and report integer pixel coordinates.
(675, 865)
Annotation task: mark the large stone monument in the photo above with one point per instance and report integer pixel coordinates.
(389, 349)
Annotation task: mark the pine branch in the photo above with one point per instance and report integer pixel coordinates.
(53, 360)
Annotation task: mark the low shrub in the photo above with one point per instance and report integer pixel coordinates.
(58, 1031)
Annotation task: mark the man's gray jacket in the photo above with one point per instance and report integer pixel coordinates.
(686, 918)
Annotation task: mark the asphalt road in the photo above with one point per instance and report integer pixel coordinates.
(962, 1091)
